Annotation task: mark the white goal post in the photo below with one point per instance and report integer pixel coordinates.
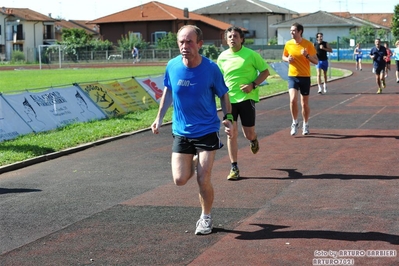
(50, 52)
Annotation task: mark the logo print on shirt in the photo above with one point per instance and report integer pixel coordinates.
(185, 83)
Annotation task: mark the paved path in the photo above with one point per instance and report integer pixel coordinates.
(300, 199)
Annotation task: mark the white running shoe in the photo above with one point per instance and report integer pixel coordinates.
(305, 130)
(294, 128)
(319, 91)
(325, 89)
(204, 226)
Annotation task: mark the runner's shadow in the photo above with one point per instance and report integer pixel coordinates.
(17, 190)
(294, 174)
(338, 136)
(364, 93)
(269, 231)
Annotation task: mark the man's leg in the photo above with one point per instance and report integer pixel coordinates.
(305, 108)
(182, 168)
(232, 144)
(382, 79)
(232, 149)
(397, 70)
(250, 134)
(318, 71)
(325, 80)
(294, 109)
(204, 171)
(294, 104)
(206, 192)
(378, 81)
(305, 113)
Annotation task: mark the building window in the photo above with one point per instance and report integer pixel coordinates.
(15, 33)
(137, 35)
(20, 34)
(245, 23)
(17, 47)
(158, 35)
(48, 32)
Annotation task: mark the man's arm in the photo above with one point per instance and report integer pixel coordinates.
(328, 48)
(313, 59)
(226, 107)
(262, 76)
(164, 104)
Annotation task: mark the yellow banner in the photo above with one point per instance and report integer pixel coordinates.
(142, 98)
(104, 98)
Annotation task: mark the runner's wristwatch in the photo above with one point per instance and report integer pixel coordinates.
(228, 117)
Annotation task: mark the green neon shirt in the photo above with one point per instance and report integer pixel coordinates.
(240, 68)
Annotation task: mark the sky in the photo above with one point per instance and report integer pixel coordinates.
(94, 9)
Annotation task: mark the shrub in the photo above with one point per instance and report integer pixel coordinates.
(18, 56)
(210, 51)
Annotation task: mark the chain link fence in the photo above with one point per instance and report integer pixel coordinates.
(50, 55)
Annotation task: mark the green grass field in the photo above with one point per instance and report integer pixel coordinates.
(32, 145)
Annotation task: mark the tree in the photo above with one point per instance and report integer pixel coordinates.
(129, 40)
(100, 45)
(78, 40)
(74, 41)
(169, 41)
(364, 34)
(383, 34)
(395, 23)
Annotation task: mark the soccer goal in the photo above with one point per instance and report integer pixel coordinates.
(50, 55)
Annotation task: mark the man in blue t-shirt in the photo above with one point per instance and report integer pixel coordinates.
(379, 54)
(191, 83)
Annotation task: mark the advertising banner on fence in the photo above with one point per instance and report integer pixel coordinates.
(118, 93)
(103, 98)
(118, 98)
(11, 124)
(153, 85)
(54, 108)
(141, 96)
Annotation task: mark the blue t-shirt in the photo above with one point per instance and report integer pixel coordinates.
(378, 60)
(396, 52)
(359, 53)
(194, 91)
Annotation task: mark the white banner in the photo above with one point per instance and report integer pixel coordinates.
(54, 108)
(11, 124)
(153, 86)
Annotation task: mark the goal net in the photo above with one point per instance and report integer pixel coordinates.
(50, 55)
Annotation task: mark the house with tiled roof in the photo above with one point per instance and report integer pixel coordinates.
(334, 24)
(24, 29)
(384, 20)
(154, 20)
(331, 25)
(254, 15)
(89, 28)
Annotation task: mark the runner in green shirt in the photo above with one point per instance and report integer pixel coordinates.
(243, 70)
